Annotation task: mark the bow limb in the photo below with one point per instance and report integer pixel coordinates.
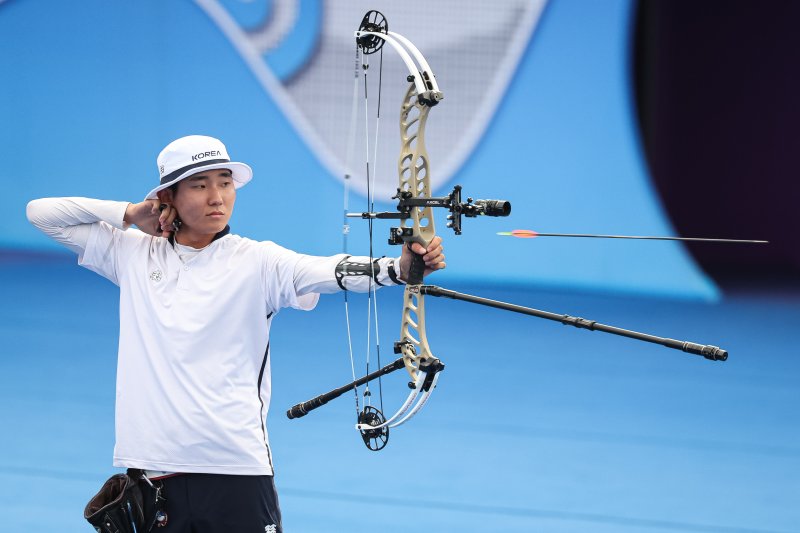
(422, 76)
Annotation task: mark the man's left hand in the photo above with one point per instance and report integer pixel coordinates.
(433, 255)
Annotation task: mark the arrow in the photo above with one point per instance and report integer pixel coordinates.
(530, 234)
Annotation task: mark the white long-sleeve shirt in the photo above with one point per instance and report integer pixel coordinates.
(193, 375)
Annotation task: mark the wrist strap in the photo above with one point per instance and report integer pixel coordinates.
(393, 273)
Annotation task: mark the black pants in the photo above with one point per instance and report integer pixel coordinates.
(215, 503)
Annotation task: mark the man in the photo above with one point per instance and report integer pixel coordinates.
(196, 306)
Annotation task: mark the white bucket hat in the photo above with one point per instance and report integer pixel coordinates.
(189, 155)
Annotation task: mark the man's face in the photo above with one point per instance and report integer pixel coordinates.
(204, 202)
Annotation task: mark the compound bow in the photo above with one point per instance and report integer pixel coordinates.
(415, 213)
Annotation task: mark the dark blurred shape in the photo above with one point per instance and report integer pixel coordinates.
(717, 87)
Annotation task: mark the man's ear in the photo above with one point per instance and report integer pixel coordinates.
(165, 196)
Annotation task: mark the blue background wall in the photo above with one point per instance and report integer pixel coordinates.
(534, 427)
(88, 105)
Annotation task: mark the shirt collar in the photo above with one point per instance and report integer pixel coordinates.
(225, 231)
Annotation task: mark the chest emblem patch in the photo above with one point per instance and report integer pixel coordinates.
(155, 276)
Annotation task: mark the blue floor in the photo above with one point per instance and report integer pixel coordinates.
(534, 426)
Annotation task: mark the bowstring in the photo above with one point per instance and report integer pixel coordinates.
(365, 69)
(351, 138)
(372, 299)
(374, 291)
(372, 304)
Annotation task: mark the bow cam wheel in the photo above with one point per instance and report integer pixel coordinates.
(375, 22)
(375, 439)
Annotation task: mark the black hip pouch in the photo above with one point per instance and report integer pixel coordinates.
(127, 503)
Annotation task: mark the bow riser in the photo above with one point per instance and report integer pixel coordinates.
(414, 175)
(413, 171)
(414, 341)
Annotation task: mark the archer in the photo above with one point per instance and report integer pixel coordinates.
(196, 306)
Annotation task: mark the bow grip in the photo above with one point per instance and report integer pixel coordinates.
(417, 270)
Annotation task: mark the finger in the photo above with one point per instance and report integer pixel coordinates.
(167, 215)
(435, 260)
(431, 269)
(165, 227)
(433, 254)
(172, 214)
(158, 231)
(418, 249)
(433, 257)
(435, 243)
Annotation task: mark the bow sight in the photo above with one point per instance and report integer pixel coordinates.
(452, 202)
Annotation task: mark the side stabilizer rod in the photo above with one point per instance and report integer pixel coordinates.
(713, 353)
(302, 409)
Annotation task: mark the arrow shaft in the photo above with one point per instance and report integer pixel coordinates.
(530, 234)
(650, 238)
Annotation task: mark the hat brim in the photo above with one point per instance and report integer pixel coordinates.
(240, 172)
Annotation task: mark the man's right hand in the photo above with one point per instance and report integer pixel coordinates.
(148, 217)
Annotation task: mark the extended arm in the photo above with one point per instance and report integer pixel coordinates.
(325, 275)
(355, 273)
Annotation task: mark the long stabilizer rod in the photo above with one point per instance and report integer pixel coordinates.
(302, 409)
(714, 353)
